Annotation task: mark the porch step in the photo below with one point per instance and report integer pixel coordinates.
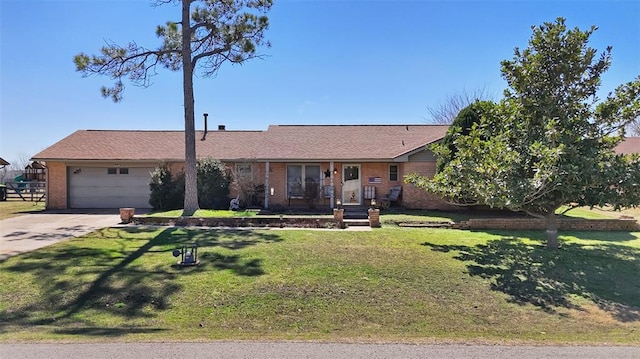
(356, 215)
(356, 212)
(356, 222)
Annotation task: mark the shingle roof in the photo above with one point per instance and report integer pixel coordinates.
(629, 145)
(278, 143)
(348, 142)
(150, 145)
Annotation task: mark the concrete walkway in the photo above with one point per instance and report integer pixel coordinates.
(32, 231)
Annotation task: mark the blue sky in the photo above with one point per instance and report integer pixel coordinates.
(331, 62)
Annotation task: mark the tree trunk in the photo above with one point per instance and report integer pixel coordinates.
(551, 221)
(190, 176)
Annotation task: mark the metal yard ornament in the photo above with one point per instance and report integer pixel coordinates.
(188, 255)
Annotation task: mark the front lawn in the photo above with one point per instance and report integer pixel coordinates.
(390, 284)
(12, 208)
(602, 213)
(399, 216)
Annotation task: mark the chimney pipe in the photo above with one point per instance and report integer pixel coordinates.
(221, 127)
(204, 136)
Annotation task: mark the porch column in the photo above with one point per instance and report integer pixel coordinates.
(46, 186)
(267, 189)
(333, 192)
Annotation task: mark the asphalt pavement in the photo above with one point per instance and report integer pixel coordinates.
(260, 350)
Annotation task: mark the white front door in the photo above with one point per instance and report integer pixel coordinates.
(351, 185)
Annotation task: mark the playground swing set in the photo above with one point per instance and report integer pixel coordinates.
(29, 186)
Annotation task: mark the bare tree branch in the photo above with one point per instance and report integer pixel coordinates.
(446, 111)
(633, 128)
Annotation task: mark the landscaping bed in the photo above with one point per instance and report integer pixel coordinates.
(277, 222)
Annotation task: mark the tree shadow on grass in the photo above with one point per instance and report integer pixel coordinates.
(128, 275)
(606, 274)
(234, 263)
(604, 236)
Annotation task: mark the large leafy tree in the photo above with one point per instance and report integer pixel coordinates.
(550, 142)
(209, 33)
(461, 126)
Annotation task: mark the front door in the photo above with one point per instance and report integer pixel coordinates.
(351, 185)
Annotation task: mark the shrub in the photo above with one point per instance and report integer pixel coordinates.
(213, 184)
(167, 193)
(250, 194)
(256, 197)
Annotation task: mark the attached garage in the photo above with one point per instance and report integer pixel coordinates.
(108, 187)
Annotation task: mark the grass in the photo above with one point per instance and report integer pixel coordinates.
(420, 216)
(13, 208)
(389, 217)
(390, 284)
(395, 217)
(602, 213)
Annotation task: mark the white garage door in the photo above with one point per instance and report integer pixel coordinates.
(114, 187)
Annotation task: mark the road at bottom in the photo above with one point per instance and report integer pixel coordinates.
(259, 350)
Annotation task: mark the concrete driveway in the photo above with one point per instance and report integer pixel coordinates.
(32, 231)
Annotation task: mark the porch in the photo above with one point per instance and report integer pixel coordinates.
(327, 185)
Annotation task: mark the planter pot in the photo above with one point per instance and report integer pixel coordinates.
(126, 214)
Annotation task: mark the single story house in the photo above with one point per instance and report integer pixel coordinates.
(348, 163)
(629, 146)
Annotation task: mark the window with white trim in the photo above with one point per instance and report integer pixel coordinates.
(244, 171)
(300, 175)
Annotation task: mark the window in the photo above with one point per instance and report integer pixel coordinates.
(351, 173)
(115, 171)
(243, 171)
(393, 172)
(301, 176)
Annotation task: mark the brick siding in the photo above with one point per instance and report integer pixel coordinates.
(411, 196)
(56, 185)
(416, 198)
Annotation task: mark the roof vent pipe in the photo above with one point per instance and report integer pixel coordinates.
(204, 136)
(221, 127)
